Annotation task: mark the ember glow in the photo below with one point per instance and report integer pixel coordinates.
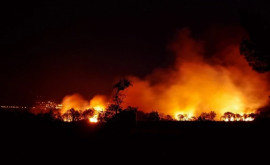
(93, 119)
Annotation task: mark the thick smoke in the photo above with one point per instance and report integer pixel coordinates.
(208, 75)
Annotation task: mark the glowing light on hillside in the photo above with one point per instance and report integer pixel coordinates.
(93, 119)
(199, 82)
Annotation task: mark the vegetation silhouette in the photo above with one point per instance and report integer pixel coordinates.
(121, 85)
(207, 116)
(131, 133)
(255, 48)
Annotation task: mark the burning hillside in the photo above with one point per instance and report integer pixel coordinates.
(200, 81)
(86, 110)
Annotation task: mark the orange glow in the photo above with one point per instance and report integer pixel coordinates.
(93, 119)
(237, 117)
(98, 103)
(184, 117)
(198, 82)
(75, 101)
(249, 119)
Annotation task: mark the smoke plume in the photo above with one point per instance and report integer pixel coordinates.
(209, 74)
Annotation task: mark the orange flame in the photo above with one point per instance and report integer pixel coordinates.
(98, 103)
(78, 103)
(199, 81)
(93, 119)
(75, 101)
(221, 82)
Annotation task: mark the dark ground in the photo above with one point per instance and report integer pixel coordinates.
(32, 139)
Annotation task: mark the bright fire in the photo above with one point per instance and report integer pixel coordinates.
(208, 75)
(184, 117)
(228, 116)
(98, 104)
(93, 119)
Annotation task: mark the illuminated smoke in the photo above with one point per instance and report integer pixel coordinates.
(198, 82)
(77, 102)
(98, 102)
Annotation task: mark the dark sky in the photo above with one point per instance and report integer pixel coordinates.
(58, 48)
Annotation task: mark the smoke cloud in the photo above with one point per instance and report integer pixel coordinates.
(209, 74)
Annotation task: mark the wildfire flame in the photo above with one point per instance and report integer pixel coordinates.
(208, 75)
(98, 103)
(93, 119)
(202, 81)
(237, 117)
(184, 117)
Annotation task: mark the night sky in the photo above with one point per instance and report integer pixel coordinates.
(59, 48)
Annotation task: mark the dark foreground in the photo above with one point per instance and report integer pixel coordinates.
(39, 140)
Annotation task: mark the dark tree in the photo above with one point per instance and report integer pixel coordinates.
(228, 115)
(105, 116)
(256, 55)
(168, 118)
(75, 115)
(238, 116)
(88, 113)
(57, 115)
(245, 116)
(263, 113)
(127, 117)
(256, 47)
(114, 108)
(117, 97)
(212, 115)
(153, 116)
(72, 115)
(181, 117)
(141, 116)
(207, 116)
(252, 115)
(122, 85)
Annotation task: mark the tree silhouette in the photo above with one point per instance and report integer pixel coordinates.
(245, 116)
(141, 116)
(238, 117)
(105, 116)
(71, 115)
(263, 113)
(257, 57)
(114, 108)
(88, 113)
(168, 118)
(256, 48)
(181, 117)
(153, 116)
(57, 115)
(117, 98)
(212, 115)
(252, 115)
(229, 116)
(127, 117)
(207, 116)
